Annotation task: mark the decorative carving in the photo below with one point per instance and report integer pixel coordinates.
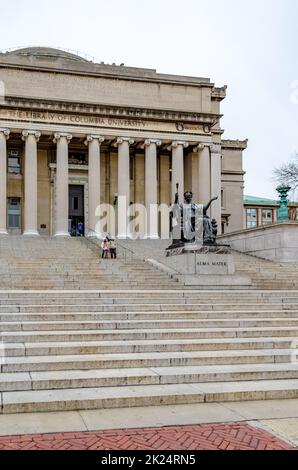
(112, 111)
(176, 144)
(199, 147)
(152, 141)
(26, 133)
(59, 135)
(5, 132)
(90, 138)
(180, 126)
(121, 140)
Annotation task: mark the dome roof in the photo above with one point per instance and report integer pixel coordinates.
(48, 52)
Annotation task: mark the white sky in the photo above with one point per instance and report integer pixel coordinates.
(249, 45)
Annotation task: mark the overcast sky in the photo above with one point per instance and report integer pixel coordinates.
(249, 45)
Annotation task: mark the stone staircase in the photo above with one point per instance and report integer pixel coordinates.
(265, 274)
(85, 350)
(77, 332)
(48, 263)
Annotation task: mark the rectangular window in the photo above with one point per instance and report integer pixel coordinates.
(251, 218)
(267, 216)
(13, 164)
(14, 212)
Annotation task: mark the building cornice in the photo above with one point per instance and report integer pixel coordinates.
(101, 71)
(219, 94)
(180, 117)
(234, 144)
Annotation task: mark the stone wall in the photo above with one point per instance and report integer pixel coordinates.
(277, 242)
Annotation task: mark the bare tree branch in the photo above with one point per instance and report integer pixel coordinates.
(287, 174)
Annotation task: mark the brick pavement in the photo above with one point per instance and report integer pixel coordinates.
(235, 436)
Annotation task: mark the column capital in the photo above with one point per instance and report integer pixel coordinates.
(91, 137)
(215, 149)
(176, 143)
(200, 147)
(6, 132)
(121, 140)
(149, 142)
(59, 135)
(26, 133)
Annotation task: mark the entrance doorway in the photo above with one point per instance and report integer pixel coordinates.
(76, 211)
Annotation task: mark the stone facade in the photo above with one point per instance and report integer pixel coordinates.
(114, 130)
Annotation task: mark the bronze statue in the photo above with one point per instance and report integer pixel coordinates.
(194, 225)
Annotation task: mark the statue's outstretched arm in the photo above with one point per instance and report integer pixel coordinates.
(209, 204)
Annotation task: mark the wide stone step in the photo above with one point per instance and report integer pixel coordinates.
(192, 299)
(139, 346)
(151, 324)
(146, 395)
(154, 315)
(143, 376)
(138, 307)
(152, 359)
(146, 334)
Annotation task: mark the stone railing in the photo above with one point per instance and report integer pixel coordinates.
(277, 242)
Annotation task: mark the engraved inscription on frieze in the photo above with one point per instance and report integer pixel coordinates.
(93, 121)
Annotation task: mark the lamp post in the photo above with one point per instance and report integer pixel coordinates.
(283, 212)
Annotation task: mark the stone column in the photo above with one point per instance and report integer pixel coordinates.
(204, 173)
(62, 191)
(94, 144)
(123, 144)
(4, 135)
(151, 187)
(178, 168)
(30, 181)
(216, 184)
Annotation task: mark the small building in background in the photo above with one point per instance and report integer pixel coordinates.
(261, 211)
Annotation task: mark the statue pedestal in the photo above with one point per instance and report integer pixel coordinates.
(212, 266)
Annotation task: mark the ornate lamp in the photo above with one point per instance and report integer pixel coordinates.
(283, 212)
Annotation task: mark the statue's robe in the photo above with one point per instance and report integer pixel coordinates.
(188, 223)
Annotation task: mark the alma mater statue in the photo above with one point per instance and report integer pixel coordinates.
(192, 222)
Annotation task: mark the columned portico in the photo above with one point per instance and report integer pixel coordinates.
(94, 145)
(30, 181)
(61, 200)
(151, 200)
(178, 168)
(4, 135)
(123, 144)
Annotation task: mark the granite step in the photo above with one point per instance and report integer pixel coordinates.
(148, 324)
(150, 359)
(145, 395)
(146, 334)
(147, 316)
(72, 379)
(142, 346)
